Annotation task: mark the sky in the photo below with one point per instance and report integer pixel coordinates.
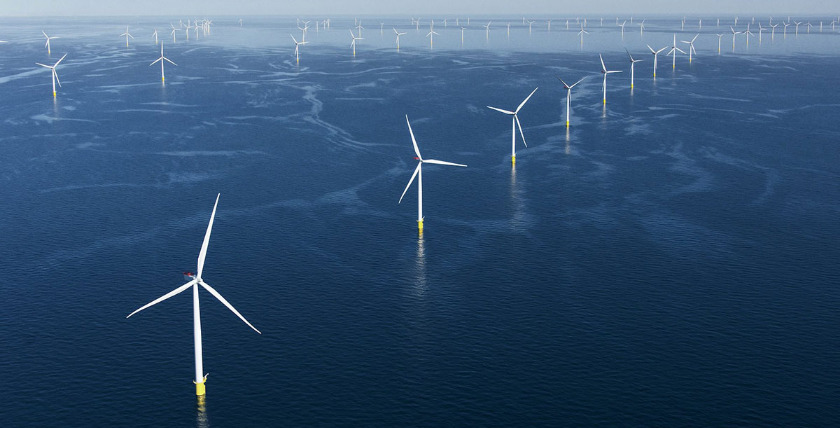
(442, 8)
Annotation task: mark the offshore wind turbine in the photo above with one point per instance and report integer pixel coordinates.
(297, 50)
(200, 376)
(719, 37)
(402, 34)
(569, 96)
(748, 34)
(462, 35)
(487, 28)
(353, 43)
(734, 34)
(632, 66)
(673, 52)
(655, 54)
(514, 124)
(162, 59)
(156, 36)
(418, 173)
(605, 72)
(431, 37)
(54, 74)
(127, 35)
(622, 29)
(581, 33)
(48, 42)
(691, 47)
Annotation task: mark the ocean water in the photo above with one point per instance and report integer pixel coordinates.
(669, 260)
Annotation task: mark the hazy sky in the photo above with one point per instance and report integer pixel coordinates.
(442, 8)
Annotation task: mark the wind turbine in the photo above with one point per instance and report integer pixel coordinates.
(487, 28)
(632, 66)
(161, 59)
(156, 36)
(418, 173)
(431, 37)
(673, 52)
(360, 28)
(581, 33)
(734, 33)
(48, 42)
(690, 47)
(655, 54)
(569, 97)
(462, 35)
(605, 72)
(297, 51)
(353, 43)
(127, 35)
(200, 376)
(402, 34)
(622, 29)
(642, 28)
(719, 37)
(54, 74)
(514, 124)
(748, 34)
(173, 32)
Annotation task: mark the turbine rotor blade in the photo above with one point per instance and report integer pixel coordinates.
(440, 162)
(526, 99)
(56, 77)
(165, 296)
(520, 130)
(203, 253)
(226, 303)
(498, 109)
(413, 141)
(416, 170)
(170, 61)
(156, 61)
(62, 59)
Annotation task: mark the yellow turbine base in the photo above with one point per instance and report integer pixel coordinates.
(53, 94)
(605, 100)
(199, 388)
(420, 226)
(567, 124)
(513, 160)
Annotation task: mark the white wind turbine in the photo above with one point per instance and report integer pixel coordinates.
(642, 28)
(200, 376)
(487, 28)
(127, 35)
(581, 33)
(48, 41)
(353, 43)
(605, 72)
(719, 37)
(418, 173)
(402, 34)
(54, 74)
(622, 29)
(569, 97)
(156, 36)
(431, 36)
(691, 47)
(632, 67)
(162, 59)
(514, 124)
(173, 32)
(734, 34)
(462, 35)
(297, 50)
(748, 34)
(655, 55)
(673, 52)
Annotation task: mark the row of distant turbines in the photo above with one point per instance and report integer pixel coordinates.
(583, 24)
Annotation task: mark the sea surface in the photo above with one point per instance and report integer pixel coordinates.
(671, 259)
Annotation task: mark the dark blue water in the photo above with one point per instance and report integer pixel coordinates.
(672, 259)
